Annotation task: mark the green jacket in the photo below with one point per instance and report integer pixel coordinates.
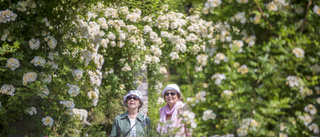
(121, 125)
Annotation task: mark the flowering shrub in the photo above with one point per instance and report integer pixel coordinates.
(248, 64)
(41, 76)
(261, 74)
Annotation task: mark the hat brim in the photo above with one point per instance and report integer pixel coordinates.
(170, 88)
(125, 99)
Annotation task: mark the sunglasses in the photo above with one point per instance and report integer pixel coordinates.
(172, 93)
(134, 98)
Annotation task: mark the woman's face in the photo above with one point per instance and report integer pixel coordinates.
(171, 97)
(133, 102)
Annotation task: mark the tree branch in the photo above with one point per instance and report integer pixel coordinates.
(263, 14)
(305, 17)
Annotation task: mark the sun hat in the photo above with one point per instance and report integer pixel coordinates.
(133, 92)
(173, 87)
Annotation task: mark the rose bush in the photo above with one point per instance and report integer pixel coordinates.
(245, 67)
(43, 86)
(60, 60)
(261, 77)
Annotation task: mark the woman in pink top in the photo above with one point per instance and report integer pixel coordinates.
(170, 122)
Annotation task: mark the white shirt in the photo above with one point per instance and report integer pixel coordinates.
(133, 130)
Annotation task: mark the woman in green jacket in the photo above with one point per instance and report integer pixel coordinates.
(131, 123)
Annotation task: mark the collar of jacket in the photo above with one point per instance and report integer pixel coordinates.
(126, 115)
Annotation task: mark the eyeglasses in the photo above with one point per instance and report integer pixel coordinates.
(172, 93)
(134, 98)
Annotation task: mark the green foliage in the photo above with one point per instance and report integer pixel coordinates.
(262, 92)
(259, 76)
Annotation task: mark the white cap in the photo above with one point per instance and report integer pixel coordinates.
(133, 92)
(173, 87)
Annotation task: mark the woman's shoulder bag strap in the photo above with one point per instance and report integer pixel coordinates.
(144, 119)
